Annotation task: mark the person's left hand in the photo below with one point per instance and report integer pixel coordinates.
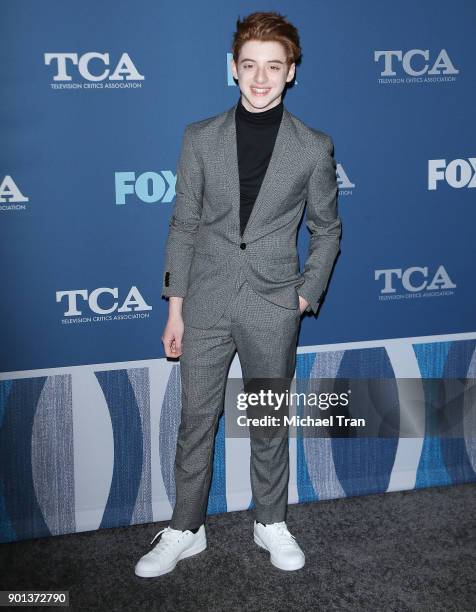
(303, 304)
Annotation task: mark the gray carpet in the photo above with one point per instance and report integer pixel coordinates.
(410, 550)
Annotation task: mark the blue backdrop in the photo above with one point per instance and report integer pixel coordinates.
(95, 97)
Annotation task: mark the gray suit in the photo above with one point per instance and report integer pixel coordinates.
(204, 248)
(241, 292)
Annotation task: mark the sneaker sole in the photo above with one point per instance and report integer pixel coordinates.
(184, 555)
(260, 542)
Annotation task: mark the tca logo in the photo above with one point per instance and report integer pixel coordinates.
(414, 279)
(9, 191)
(149, 187)
(134, 302)
(343, 180)
(124, 69)
(415, 62)
(457, 173)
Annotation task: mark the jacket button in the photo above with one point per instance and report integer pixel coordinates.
(243, 245)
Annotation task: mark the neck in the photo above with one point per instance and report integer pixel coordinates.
(248, 108)
(245, 103)
(270, 115)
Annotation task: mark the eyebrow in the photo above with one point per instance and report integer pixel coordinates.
(268, 61)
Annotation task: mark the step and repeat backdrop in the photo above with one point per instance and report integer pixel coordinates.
(94, 101)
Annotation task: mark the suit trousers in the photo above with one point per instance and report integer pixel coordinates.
(265, 337)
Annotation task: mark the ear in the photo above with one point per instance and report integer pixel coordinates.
(291, 72)
(234, 69)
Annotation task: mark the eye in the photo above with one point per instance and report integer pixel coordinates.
(275, 67)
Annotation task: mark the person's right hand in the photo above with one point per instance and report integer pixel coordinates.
(172, 336)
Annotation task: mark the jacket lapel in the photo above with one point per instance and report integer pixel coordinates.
(230, 160)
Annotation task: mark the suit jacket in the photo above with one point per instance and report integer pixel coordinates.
(204, 249)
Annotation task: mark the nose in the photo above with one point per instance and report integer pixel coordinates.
(261, 76)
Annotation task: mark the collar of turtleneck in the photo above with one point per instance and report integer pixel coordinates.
(267, 117)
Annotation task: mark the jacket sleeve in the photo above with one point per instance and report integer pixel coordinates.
(324, 224)
(183, 223)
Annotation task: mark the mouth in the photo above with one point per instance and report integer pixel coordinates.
(260, 91)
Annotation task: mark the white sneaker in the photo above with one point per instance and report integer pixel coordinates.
(173, 546)
(285, 551)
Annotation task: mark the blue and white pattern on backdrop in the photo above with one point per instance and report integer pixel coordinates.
(93, 112)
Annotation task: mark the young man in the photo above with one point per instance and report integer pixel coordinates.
(233, 281)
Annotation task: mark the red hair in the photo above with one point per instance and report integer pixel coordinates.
(269, 26)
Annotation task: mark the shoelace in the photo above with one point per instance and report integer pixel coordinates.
(166, 540)
(281, 534)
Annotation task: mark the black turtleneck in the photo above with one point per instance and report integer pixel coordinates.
(255, 134)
